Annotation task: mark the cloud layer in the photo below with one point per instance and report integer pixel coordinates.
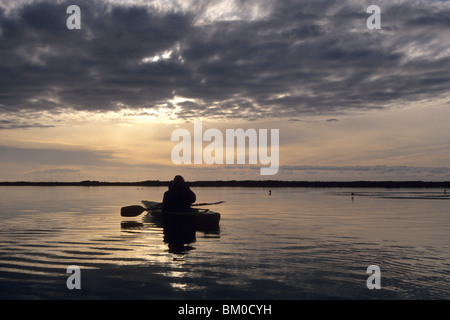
(227, 59)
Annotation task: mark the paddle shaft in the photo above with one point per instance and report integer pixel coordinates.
(192, 205)
(133, 211)
(206, 204)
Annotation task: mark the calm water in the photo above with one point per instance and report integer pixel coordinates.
(293, 244)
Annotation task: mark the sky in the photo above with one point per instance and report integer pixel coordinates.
(101, 102)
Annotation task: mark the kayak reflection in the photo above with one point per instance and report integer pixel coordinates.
(179, 234)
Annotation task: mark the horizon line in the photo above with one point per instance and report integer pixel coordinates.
(245, 183)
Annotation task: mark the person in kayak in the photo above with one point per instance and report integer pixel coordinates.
(179, 197)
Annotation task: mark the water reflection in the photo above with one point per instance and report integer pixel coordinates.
(294, 244)
(179, 235)
(133, 225)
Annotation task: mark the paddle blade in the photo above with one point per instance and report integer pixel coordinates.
(131, 211)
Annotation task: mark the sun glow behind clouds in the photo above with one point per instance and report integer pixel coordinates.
(129, 144)
(164, 112)
(209, 11)
(171, 53)
(164, 56)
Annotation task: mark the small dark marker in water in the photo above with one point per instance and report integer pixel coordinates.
(270, 192)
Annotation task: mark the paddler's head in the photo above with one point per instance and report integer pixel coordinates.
(178, 180)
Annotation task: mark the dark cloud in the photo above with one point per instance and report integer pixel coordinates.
(56, 157)
(303, 58)
(7, 125)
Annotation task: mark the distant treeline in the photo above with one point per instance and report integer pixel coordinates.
(251, 183)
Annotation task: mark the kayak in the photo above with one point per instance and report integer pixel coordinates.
(200, 217)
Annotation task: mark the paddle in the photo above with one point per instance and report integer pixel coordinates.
(134, 211)
(206, 204)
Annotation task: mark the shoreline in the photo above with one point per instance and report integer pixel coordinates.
(248, 183)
